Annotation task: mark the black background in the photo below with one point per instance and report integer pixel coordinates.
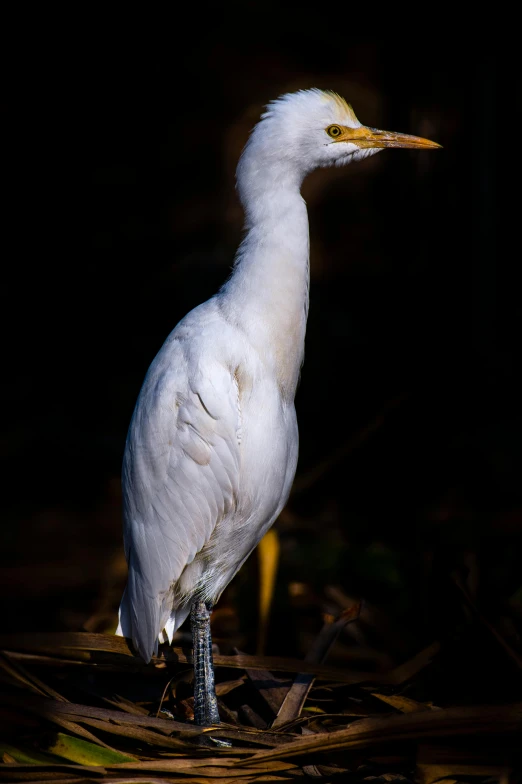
(122, 215)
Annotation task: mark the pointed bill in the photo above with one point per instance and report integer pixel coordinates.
(371, 137)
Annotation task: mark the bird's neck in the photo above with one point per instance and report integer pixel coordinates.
(267, 293)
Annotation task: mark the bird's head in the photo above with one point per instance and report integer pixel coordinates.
(302, 131)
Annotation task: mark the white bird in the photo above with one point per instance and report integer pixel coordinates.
(212, 446)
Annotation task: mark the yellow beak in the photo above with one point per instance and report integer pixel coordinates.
(371, 137)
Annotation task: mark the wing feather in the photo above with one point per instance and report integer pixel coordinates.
(180, 478)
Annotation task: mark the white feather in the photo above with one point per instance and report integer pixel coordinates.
(212, 447)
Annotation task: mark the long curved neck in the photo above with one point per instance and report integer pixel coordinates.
(267, 293)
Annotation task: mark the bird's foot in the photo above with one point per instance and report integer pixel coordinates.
(209, 742)
(205, 702)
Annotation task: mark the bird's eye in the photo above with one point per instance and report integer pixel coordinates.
(333, 131)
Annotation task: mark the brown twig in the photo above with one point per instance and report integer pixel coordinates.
(447, 722)
(295, 699)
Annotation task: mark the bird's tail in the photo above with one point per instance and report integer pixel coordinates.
(177, 617)
(168, 627)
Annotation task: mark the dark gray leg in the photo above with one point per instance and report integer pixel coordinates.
(205, 702)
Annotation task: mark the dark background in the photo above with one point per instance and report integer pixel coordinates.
(122, 216)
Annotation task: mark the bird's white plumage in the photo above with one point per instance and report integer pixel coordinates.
(212, 447)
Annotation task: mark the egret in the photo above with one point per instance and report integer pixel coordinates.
(212, 445)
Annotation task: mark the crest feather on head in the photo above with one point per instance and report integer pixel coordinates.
(343, 106)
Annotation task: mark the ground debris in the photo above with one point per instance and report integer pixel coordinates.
(101, 715)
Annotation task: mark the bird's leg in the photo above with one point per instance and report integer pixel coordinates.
(205, 702)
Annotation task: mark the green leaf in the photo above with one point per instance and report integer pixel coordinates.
(28, 756)
(85, 753)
